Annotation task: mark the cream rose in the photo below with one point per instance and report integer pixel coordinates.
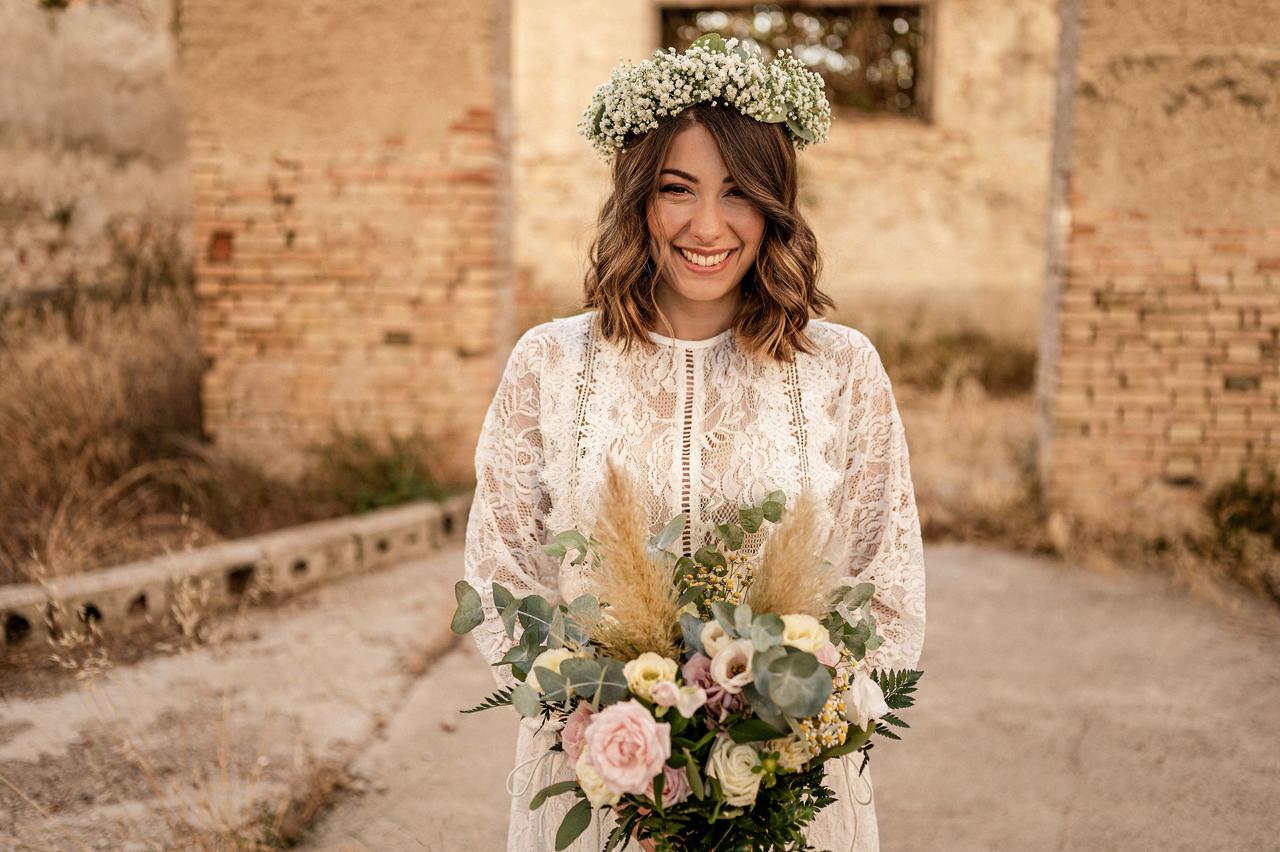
(731, 763)
(628, 747)
(864, 700)
(646, 670)
(731, 668)
(548, 659)
(804, 632)
(713, 637)
(598, 793)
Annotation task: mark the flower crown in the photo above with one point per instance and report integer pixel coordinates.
(715, 70)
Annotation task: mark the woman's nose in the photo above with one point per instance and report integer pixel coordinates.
(707, 221)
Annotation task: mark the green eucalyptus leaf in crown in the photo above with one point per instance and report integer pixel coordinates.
(724, 72)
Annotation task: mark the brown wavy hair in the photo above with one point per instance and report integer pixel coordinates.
(779, 292)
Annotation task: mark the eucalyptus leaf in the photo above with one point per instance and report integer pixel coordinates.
(742, 620)
(671, 531)
(534, 616)
(766, 631)
(575, 822)
(555, 633)
(708, 555)
(599, 681)
(750, 518)
(764, 708)
(724, 613)
(712, 42)
(798, 684)
(470, 611)
(691, 629)
(506, 604)
(554, 687)
(800, 130)
(685, 569)
(859, 595)
(731, 534)
(772, 510)
(525, 699)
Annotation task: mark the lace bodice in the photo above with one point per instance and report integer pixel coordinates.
(704, 428)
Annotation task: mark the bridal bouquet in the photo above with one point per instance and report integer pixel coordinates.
(699, 695)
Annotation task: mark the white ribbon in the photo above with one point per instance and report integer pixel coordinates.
(847, 761)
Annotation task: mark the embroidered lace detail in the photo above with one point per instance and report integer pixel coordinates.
(704, 428)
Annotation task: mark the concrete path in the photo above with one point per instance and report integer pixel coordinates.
(190, 744)
(1061, 710)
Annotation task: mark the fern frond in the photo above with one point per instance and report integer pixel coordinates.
(884, 731)
(898, 686)
(501, 698)
(894, 720)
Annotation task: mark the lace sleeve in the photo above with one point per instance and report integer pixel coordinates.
(879, 516)
(505, 525)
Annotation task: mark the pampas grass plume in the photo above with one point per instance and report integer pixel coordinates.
(791, 578)
(642, 614)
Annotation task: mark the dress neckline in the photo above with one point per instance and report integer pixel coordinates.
(689, 344)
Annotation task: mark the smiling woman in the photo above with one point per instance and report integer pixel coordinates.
(701, 235)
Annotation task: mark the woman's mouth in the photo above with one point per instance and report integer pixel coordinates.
(704, 264)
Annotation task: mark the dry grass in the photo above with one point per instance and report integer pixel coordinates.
(103, 457)
(790, 579)
(209, 789)
(640, 598)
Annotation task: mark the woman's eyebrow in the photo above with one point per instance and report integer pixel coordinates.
(687, 176)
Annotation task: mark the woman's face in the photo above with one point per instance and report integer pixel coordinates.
(708, 229)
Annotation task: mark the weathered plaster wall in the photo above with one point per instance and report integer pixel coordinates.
(900, 207)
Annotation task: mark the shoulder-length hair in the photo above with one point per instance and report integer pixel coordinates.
(780, 290)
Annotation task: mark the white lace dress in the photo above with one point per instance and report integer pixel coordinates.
(703, 428)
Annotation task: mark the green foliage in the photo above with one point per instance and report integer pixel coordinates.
(361, 474)
(469, 613)
(899, 686)
(501, 698)
(575, 822)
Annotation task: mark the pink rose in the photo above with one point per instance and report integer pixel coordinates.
(828, 655)
(627, 746)
(675, 787)
(574, 729)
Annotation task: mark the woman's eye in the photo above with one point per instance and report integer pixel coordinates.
(739, 193)
(675, 188)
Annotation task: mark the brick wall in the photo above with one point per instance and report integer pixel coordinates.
(350, 222)
(1164, 300)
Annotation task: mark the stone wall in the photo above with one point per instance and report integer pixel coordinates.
(350, 219)
(1161, 351)
(903, 208)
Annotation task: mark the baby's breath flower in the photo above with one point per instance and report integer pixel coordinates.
(721, 71)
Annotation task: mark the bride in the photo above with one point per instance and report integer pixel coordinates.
(698, 363)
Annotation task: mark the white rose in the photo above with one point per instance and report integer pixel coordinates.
(592, 784)
(713, 638)
(646, 670)
(731, 668)
(731, 763)
(864, 700)
(548, 659)
(793, 754)
(804, 632)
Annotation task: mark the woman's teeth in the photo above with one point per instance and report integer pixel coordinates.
(705, 260)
